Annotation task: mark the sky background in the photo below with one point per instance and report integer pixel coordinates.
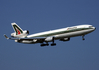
(43, 15)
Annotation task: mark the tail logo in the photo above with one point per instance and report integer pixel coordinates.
(18, 31)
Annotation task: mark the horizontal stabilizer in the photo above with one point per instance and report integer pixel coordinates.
(6, 36)
(10, 38)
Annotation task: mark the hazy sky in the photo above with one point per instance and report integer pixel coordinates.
(43, 15)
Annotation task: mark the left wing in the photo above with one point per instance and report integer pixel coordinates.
(34, 39)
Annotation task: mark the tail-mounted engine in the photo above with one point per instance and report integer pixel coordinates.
(26, 32)
(20, 35)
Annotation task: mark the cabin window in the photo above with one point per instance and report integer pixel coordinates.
(70, 28)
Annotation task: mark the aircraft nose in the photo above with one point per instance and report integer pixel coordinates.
(94, 28)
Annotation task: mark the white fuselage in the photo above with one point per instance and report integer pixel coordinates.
(63, 34)
(66, 32)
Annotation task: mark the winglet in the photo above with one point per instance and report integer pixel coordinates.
(6, 36)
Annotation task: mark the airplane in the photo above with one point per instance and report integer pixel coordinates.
(63, 34)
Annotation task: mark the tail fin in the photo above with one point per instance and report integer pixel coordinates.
(17, 29)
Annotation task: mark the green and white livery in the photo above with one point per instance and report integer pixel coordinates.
(63, 34)
(19, 33)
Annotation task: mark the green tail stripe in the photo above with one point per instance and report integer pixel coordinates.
(15, 26)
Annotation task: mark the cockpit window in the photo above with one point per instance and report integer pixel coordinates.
(90, 26)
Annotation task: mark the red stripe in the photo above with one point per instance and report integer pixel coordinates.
(18, 32)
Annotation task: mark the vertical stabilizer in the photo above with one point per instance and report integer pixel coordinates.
(17, 29)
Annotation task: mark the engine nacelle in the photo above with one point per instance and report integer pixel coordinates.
(65, 39)
(21, 35)
(24, 41)
(26, 32)
(48, 39)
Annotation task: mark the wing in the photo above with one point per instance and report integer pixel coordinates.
(35, 39)
(32, 40)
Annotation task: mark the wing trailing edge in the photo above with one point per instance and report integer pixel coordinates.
(38, 38)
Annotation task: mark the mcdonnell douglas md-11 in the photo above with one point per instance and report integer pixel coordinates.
(63, 34)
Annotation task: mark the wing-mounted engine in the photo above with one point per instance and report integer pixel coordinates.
(48, 39)
(65, 39)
